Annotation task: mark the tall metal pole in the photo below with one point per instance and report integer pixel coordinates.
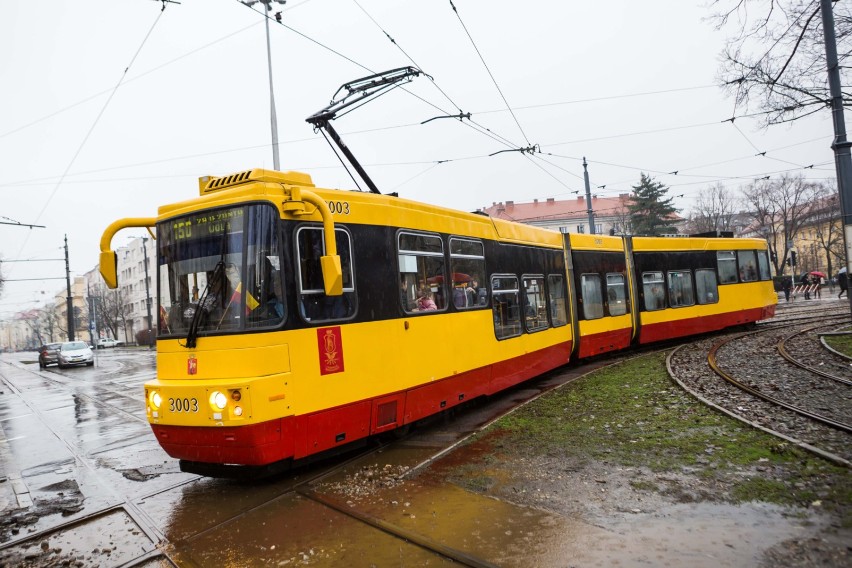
(69, 301)
(588, 198)
(841, 147)
(93, 320)
(147, 288)
(273, 118)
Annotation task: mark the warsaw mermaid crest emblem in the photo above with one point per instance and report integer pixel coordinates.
(330, 346)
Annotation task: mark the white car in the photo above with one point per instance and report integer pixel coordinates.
(75, 353)
(106, 343)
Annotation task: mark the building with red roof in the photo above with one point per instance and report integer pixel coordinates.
(611, 214)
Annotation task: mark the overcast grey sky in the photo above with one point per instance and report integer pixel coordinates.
(629, 85)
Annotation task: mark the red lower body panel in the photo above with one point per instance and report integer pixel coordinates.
(301, 436)
(649, 333)
(605, 342)
(509, 373)
(254, 444)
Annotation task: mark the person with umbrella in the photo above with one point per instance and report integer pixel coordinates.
(843, 281)
(816, 280)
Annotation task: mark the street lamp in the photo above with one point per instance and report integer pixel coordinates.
(272, 116)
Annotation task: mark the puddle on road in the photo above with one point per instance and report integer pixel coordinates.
(293, 530)
(296, 531)
(698, 535)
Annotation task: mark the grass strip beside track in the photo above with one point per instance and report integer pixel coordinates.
(840, 343)
(633, 415)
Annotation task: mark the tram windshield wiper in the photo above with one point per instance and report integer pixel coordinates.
(192, 332)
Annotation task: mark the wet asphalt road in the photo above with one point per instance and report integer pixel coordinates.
(83, 482)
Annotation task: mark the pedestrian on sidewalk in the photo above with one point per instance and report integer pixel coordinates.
(806, 282)
(786, 285)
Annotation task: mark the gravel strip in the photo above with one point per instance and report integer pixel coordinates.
(754, 360)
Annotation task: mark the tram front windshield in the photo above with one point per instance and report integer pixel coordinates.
(220, 271)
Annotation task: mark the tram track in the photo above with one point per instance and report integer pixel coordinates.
(713, 361)
(785, 352)
(309, 488)
(67, 382)
(118, 502)
(315, 489)
(802, 408)
(158, 545)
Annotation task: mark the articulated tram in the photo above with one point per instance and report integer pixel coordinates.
(295, 320)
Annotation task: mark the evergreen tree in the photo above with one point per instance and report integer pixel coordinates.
(651, 211)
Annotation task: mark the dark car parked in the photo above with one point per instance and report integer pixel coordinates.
(48, 354)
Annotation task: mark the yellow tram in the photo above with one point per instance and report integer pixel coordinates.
(295, 320)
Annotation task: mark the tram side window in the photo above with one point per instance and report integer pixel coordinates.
(763, 265)
(592, 300)
(747, 265)
(467, 265)
(726, 264)
(535, 308)
(506, 306)
(706, 290)
(616, 294)
(680, 288)
(556, 293)
(652, 288)
(421, 273)
(314, 305)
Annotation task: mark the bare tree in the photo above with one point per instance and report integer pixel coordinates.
(49, 323)
(714, 211)
(774, 62)
(112, 312)
(780, 208)
(32, 320)
(826, 221)
(621, 213)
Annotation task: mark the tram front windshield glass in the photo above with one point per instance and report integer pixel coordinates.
(223, 263)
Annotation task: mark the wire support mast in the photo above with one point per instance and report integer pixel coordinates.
(532, 149)
(358, 92)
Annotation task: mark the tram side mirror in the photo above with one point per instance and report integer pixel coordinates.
(332, 275)
(108, 264)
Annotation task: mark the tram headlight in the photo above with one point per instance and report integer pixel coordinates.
(155, 400)
(218, 400)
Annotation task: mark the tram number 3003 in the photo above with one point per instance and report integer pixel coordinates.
(341, 207)
(183, 404)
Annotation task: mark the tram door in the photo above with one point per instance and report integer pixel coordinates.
(603, 301)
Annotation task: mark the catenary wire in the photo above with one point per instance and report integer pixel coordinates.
(490, 74)
(130, 80)
(94, 124)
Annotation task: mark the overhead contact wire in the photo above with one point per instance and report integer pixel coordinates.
(508, 106)
(471, 123)
(130, 80)
(94, 124)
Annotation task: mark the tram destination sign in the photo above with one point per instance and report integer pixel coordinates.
(207, 223)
